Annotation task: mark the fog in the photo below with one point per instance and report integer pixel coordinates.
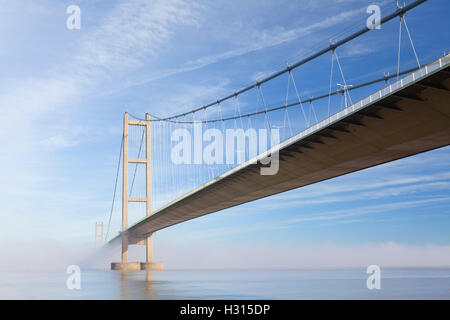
(309, 256)
(49, 255)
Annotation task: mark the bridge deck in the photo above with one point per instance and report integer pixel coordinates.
(405, 118)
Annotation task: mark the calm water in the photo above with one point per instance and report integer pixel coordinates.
(234, 284)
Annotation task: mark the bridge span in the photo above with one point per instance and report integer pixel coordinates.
(407, 117)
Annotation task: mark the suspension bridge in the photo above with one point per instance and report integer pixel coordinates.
(168, 183)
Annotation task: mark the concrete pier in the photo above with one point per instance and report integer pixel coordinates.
(126, 266)
(152, 266)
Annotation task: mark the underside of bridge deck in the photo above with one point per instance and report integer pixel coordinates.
(412, 120)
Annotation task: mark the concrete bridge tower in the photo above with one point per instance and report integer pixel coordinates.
(128, 239)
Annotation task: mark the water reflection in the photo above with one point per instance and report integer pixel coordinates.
(124, 285)
(149, 290)
(399, 283)
(136, 285)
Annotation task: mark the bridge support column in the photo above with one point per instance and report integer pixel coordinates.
(124, 249)
(149, 264)
(149, 249)
(126, 238)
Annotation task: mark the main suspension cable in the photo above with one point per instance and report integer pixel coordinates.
(300, 102)
(399, 12)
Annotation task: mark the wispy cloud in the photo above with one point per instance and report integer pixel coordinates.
(359, 211)
(133, 32)
(349, 197)
(307, 215)
(255, 41)
(337, 188)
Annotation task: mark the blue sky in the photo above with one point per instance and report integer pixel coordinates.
(63, 94)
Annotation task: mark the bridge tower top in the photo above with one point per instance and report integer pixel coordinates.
(98, 235)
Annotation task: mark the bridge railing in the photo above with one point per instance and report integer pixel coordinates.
(417, 75)
(399, 84)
